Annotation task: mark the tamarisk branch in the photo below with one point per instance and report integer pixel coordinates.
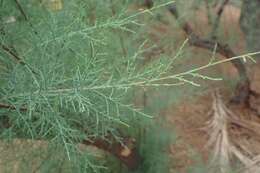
(124, 151)
(243, 90)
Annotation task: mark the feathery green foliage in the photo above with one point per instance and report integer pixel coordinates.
(66, 75)
(71, 77)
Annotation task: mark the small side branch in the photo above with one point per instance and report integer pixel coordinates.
(196, 40)
(10, 107)
(12, 53)
(20, 8)
(126, 152)
(243, 87)
(26, 18)
(217, 20)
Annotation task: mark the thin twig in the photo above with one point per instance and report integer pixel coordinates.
(11, 107)
(243, 86)
(20, 8)
(149, 83)
(197, 41)
(22, 11)
(217, 20)
(13, 53)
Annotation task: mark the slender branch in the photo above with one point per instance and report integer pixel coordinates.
(12, 53)
(11, 107)
(243, 86)
(217, 20)
(20, 8)
(22, 11)
(197, 41)
(146, 83)
(208, 12)
(126, 152)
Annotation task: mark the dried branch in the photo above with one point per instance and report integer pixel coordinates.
(225, 148)
(217, 129)
(243, 87)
